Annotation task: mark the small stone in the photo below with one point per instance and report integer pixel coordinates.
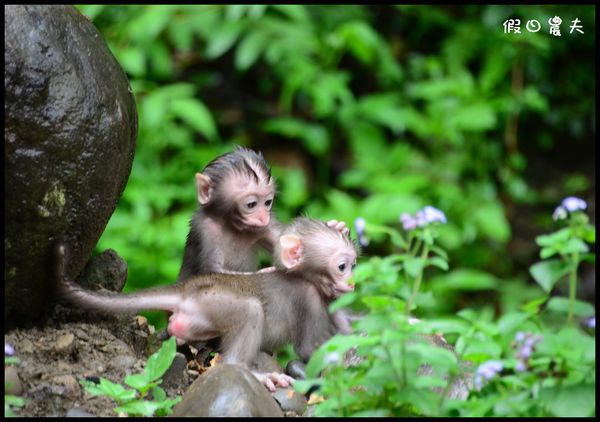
(174, 378)
(65, 343)
(296, 369)
(290, 400)
(123, 362)
(26, 346)
(12, 381)
(71, 385)
(192, 373)
(77, 412)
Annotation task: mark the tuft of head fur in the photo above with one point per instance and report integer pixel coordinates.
(241, 161)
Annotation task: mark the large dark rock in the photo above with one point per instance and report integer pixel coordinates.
(227, 390)
(69, 139)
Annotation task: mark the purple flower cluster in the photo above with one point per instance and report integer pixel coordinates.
(422, 218)
(8, 349)
(359, 225)
(570, 204)
(591, 323)
(525, 343)
(487, 371)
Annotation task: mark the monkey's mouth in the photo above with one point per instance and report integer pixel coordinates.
(341, 288)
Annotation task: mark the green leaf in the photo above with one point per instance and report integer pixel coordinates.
(361, 40)
(555, 238)
(91, 10)
(534, 306)
(158, 394)
(249, 50)
(570, 401)
(414, 266)
(508, 323)
(140, 382)
(314, 136)
(109, 388)
(343, 301)
(197, 115)
(561, 304)
(575, 246)
(547, 273)
(160, 361)
(133, 60)
(137, 408)
(491, 221)
(476, 117)
(223, 38)
(465, 279)
(438, 262)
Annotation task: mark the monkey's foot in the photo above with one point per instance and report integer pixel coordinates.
(272, 380)
(339, 226)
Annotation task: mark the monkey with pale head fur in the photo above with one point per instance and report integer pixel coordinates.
(249, 312)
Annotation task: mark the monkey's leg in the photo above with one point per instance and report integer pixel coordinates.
(242, 342)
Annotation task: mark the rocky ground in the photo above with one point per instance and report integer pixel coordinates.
(73, 345)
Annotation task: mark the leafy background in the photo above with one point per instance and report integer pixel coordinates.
(364, 111)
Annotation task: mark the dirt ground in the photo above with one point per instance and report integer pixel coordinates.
(74, 345)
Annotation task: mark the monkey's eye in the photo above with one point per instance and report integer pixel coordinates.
(353, 265)
(342, 267)
(252, 204)
(268, 203)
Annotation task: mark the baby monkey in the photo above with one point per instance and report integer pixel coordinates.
(249, 312)
(235, 193)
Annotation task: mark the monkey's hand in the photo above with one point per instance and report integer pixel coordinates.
(272, 380)
(339, 226)
(267, 270)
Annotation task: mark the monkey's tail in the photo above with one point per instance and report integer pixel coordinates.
(161, 298)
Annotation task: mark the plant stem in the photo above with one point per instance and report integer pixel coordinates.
(417, 284)
(572, 286)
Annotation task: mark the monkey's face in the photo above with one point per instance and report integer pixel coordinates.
(340, 270)
(253, 203)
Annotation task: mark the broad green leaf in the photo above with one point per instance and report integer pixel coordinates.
(491, 221)
(197, 115)
(160, 361)
(464, 279)
(343, 301)
(570, 400)
(140, 382)
(555, 238)
(561, 304)
(133, 60)
(438, 262)
(249, 50)
(109, 388)
(510, 322)
(223, 38)
(414, 266)
(143, 408)
(547, 273)
(476, 117)
(91, 10)
(575, 246)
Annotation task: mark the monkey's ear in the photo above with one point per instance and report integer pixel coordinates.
(291, 254)
(204, 187)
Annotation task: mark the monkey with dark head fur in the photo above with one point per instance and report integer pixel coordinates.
(249, 312)
(235, 193)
